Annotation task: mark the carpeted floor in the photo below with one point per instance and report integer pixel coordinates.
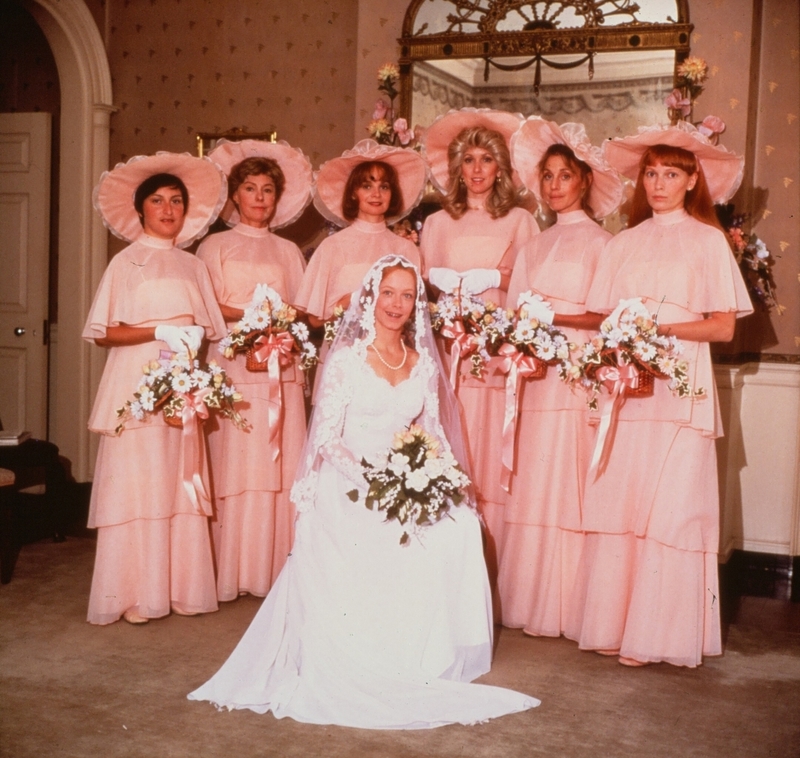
(71, 689)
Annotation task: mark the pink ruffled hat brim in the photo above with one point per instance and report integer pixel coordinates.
(722, 168)
(114, 193)
(333, 175)
(535, 135)
(293, 162)
(438, 136)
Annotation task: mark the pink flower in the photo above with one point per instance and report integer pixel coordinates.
(381, 109)
(404, 134)
(676, 101)
(711, 125)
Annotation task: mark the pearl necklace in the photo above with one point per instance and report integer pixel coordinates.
(386, 363)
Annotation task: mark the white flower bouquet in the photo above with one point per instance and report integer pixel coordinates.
(177, 381)
(418, 483)
(269, 326)
(628, 349)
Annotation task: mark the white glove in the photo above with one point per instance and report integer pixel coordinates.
(445, 279)
(264, 292)
(194, 336)
(175, 337)
(633, 305)
(478, 280)
(536, 307)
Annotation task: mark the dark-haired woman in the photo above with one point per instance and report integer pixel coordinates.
(362, 190)
(153, 546)
(647, 587)
(471, 246)
(542, 536)
(269, 185)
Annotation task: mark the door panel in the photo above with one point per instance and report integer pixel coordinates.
(24, 248)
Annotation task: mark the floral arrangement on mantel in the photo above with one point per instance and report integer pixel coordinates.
(384, 127)
(753, 257)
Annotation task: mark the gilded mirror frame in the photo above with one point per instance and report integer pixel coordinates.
(488, 43)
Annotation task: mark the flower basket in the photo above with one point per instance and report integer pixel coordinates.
(174, 420)
(275, 320)
(252, 363)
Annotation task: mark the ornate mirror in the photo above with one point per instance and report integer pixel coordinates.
(606, 63)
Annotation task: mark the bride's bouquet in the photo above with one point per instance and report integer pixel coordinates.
(418, 483)
(177, 384)
(269, 329)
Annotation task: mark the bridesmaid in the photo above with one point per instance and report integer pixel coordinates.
(543, 538)
(362, 190)
(647, 587)
(153, 546)
(269, 185)
(472, 244)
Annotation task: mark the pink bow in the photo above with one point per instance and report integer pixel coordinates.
(276, 349)
(518, 366)
(615, 379)
(464, 345)
(194, 452)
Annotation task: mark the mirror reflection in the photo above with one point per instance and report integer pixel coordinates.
(627, 90)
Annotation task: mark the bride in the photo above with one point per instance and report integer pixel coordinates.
(360, 631)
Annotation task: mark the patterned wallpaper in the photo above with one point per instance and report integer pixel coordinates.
(183, 66)
(763, 119)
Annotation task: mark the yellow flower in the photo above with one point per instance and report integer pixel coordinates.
(694, 70)
(388, 71)
(379, 127)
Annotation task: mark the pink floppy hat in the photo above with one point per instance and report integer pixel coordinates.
(530, 142)
(294, 164)
(723, 169)
(333, 175)
(438, 136)
(205, 183)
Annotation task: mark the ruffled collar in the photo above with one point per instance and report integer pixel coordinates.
(148, 241)
(671, 218)
(368, 227)
(573, 217)
(252, 231)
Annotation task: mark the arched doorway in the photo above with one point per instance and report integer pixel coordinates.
(83, 242)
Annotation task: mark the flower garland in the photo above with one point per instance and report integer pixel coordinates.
(754, 259)
(417, 482)
(174, 381)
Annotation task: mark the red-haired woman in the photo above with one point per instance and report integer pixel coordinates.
(542, 535)
(647, 586)
(269, 185)
(362, 190)
(471, 245)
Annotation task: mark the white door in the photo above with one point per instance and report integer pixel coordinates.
(24, 243)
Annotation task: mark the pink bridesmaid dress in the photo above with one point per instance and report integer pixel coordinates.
(252, 471)
(647, 582)
(341, 261)
(542, 537)
(476, 240)
(153, 545)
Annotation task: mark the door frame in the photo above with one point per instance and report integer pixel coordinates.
(86, 108)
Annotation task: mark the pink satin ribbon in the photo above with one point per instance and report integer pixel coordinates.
(276, 349)
(517, 365)
(464, 345)
(615, 379)
(194, 450)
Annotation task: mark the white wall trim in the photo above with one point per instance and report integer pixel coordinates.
(759, 459)
(86, 105)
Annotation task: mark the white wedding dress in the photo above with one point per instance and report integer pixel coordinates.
(358, 630)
